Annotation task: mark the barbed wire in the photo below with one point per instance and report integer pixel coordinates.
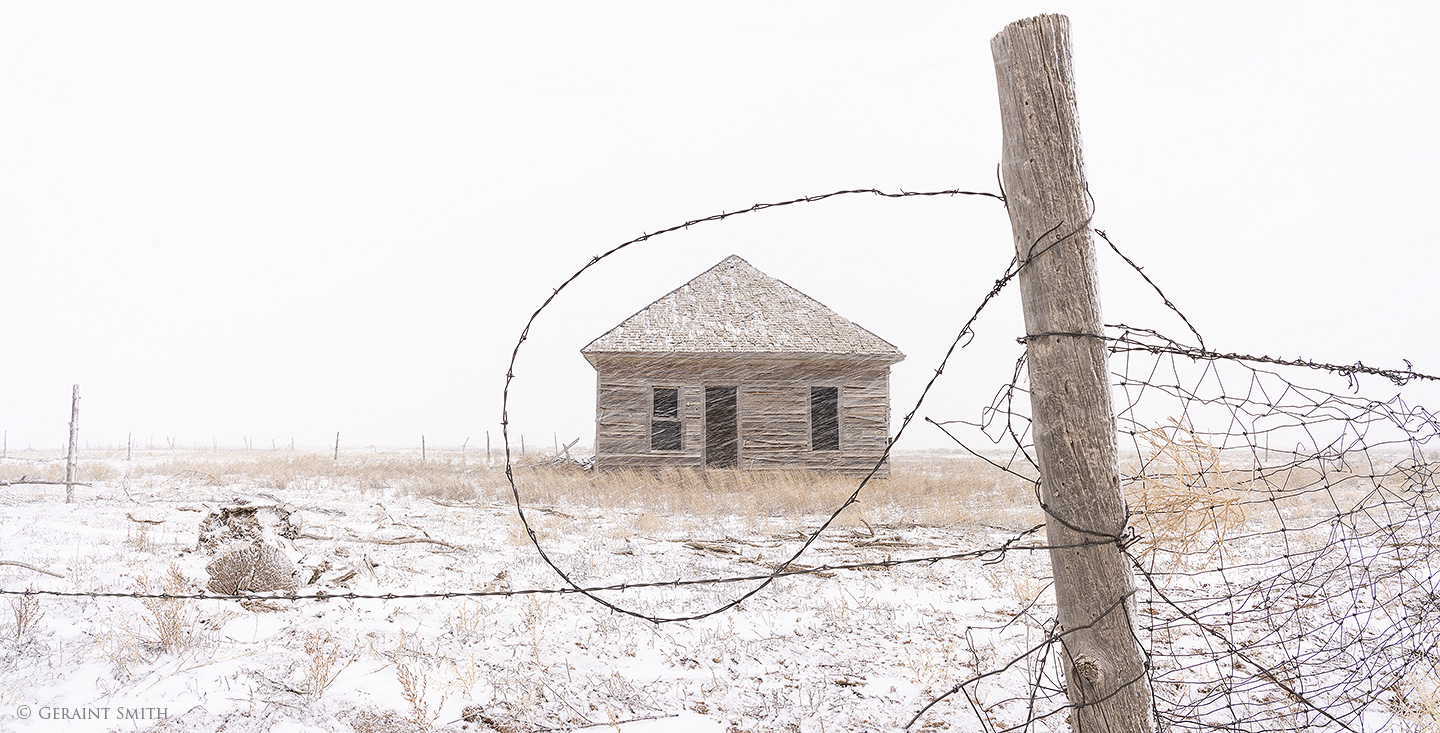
(1134, 339)
(966, 330)
(1042, 244)
(988, 555)
(1285, 535)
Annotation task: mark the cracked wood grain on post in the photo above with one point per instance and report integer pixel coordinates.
(1074, 423)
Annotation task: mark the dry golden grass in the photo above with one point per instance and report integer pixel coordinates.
(324, 663)
(45, 471)
(54, 470)
(27, 614)
(281, 471)
(1417, 703)
(172, 621)
(921, 489)
(930, 488)
(1189, 496)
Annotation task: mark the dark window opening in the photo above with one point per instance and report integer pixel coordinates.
(665, 419)
(824, 418)
(667, 402)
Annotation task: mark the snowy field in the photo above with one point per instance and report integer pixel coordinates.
(846, 650)
(841, 650)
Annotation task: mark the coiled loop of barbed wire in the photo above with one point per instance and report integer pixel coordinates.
(1042, 244)
(854, 497)
(1004, 416)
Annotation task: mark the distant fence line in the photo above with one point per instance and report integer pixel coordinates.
(172, 445)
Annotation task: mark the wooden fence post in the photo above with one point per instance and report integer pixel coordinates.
(1074, 421)
(337, 445)
(74, 439)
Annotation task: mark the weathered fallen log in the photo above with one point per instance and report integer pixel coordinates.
(30, 567)
(403, 541)
(26, 480)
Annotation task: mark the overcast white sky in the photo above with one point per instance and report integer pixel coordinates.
(281, 220)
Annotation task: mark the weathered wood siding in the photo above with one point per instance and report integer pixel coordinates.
(622, 418)
(692, 414)
(773, 403)
(774, 424)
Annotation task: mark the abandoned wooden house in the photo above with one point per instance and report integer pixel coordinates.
(736, 369)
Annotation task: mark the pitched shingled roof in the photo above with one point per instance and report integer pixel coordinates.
(733, 308)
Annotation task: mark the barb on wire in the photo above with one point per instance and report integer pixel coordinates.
(854, 497)
(1135, 338)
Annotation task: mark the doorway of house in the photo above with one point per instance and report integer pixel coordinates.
(722, 445)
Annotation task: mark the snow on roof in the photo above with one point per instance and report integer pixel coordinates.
(733, 308)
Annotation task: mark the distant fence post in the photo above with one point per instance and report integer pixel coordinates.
(74, 439)
(1074, 422)
(337, 445)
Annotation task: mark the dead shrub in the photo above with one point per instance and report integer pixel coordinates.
(324, 663)
(1184, 502)
(27, 613)
(171, 621)
(253, 568)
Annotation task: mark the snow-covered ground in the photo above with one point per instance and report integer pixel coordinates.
(855, 650)
(841, 650)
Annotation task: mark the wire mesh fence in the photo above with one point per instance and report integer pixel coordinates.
(1283, 535)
